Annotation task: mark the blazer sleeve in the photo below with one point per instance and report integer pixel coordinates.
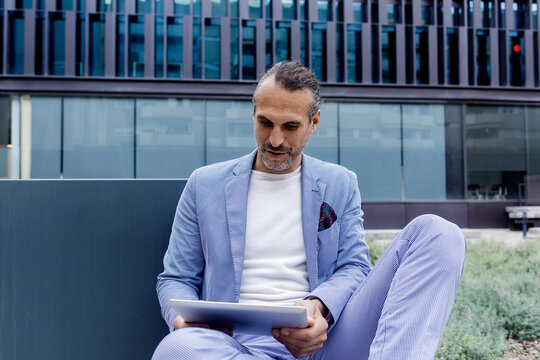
(352, 264)
(184, 260)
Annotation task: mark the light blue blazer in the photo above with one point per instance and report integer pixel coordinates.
(205, 256)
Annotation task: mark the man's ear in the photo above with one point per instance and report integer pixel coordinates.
(315, 122)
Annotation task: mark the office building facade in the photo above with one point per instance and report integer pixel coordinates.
(428, 100)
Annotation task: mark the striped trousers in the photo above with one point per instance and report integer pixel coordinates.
(399, 311)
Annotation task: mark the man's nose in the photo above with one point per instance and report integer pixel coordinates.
(276, 137)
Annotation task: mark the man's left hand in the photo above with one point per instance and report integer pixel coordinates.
(304, 342)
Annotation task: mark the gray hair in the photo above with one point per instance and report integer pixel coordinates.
(293, 76)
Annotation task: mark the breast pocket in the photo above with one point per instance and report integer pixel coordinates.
(327, 241)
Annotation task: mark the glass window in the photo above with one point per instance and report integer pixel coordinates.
(408, 13)
(136, 46)
(339, 53)
(158, 7)
(234, 8)
(354, 53)
(370, 145)
(533, 140)
(255, 8)
(120, 45)
(219, 8)
(452, 59)
(159, 46)
(424, 152)
(248, 50)
(268, 8)
(120, 6)
(97, 45)
(5, 137)
(517, 58)
(212, 49)
(170, 137)
(98, 138)
(422, 56)
(427, 15)
(303, 42)
(197, 7)
(375, 53)
(318, 50)
(57, 44)
(534, 10)
(483, 65)
(521, 14)
(359, 11)
(104, 5)
(16, 46)
(495, 151)
(487, 8)
(1, 42)
(175, 47)
(502, 14)
(470, 17)
(46, 137)
(454, 152)
(143, 6)
(456, 12)
(388, 42)
(64, 4)
(338, 10)
(197, 48)
(288, 9)
(268, 45)
(40, 42)
(374, 12)
(324, 9)
(410, 53)
(229, 129)
(323, 144)
(394, 13)
(303, 10)
(181, 7)
(235, 50)
(80, 35)
(23, 4)
(283, 41)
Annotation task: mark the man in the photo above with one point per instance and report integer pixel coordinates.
(277, 226)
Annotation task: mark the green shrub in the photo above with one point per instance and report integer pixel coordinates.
(498, 298)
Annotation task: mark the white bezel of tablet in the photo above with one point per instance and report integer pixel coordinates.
(243, 318)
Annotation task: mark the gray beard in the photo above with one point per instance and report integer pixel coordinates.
(278, 167)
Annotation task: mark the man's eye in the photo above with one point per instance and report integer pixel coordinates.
(265, 123)
(290, 126)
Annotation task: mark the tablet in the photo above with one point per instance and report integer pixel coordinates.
(243, 318)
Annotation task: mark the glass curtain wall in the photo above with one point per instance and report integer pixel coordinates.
(398, 151)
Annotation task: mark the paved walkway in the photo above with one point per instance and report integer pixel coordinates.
(497, 235)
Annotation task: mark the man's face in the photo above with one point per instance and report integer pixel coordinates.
(282, 127)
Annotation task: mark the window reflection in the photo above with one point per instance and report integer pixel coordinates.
(288, 9)
(120, 45)
(229, 129)
(318, 50)
(15, 46)
(57, 41)
(80, 35)
(170, 137)
(283, 41)
(40, 44)
(197, 48)
(136, 46)
(212, 49)
(248, 49)
(235, 43)
(354, 53)
(159, 47)
(495, 143)
(97, 50)
(175, 48)
(388, 45)
(370, 145)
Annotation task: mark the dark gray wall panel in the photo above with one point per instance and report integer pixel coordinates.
(384, 215)
(78, 266)
(455, 212)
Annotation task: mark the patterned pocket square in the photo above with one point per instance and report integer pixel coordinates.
(327, 217)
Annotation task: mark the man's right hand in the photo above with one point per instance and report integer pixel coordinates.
(179, 323)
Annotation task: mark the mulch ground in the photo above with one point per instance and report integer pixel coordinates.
(523, 350)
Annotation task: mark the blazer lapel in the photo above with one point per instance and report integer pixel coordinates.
(236, 192)
(312, 198)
